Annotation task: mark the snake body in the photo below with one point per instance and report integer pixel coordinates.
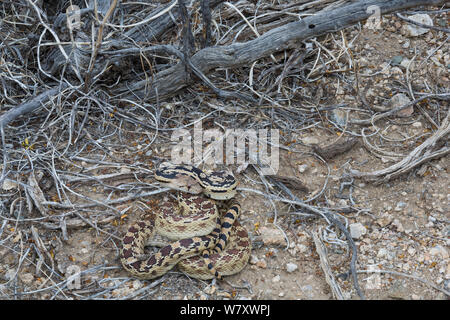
(203, 245)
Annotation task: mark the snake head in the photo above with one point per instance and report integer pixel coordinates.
(219, 185)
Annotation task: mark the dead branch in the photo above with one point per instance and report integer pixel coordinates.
(330, 151)
(415, 158)
(30, 106)
(167, 82)
(324, 264)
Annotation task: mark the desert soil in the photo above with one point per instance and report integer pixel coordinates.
(401, 226)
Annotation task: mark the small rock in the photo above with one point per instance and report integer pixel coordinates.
(396, 70)
(415, 31)
(9, 184)
(406, 63)
(417, 124)
(253, 259)
(310, 140)
(10, 274)
(439, 250)
(357, 230)
(302, 248)
(114, 283)
(261, 264)
(429, 224)
(291, 267)
(395, 61)
(137, 284)
(26, 278)
(210, 290)
(400, 206)
(302, 168)
(339, 116)
(385, 219)
(276, 279)
(122, 292)
(272, 236)
(401, 99)
(293, 251)
(308, 291)
(281, 294)
(382, 253)
(399, 225)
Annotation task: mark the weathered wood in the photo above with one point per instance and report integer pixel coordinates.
(143, 33)
(152, 31)
(167, 82)
(325, 265)
(331, 151)
(29, 106)
(421, 154)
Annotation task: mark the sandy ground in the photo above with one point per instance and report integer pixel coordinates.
(403, 240)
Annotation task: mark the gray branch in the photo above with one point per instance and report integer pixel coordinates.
(29, 106)
(167, 82)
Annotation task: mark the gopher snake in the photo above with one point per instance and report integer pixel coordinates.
(203, 245)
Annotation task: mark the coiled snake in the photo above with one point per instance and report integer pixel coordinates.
(203, 245)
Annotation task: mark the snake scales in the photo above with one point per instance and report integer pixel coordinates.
(203, 244)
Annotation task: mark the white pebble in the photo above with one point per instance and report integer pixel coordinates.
(302, 168)
(382, 253)
(272, 236)
(310, 140)
(411, 251)
(302, 248)
(276, 279)
(357, 230)
(439, 250)
(400, 206)
(10, 274)
(291, 267)
(253, 259)
(27, 278)
(137, 284)
(413, 30)
(399, 225)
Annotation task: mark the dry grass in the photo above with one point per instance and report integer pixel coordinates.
(86, 137)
